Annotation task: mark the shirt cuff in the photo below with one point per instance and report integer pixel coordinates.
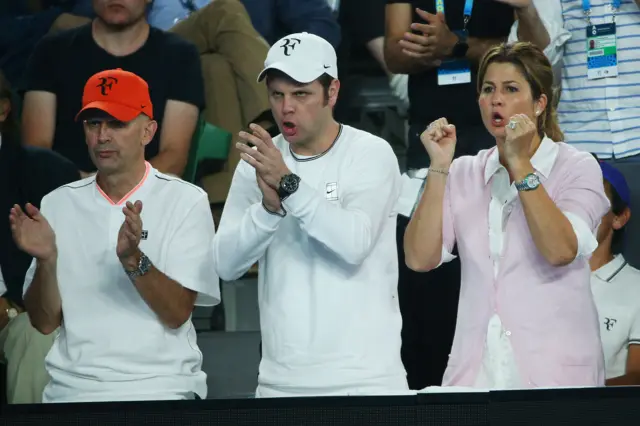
(445, 256)
(299, 200)
(265, 219)
(587, 242)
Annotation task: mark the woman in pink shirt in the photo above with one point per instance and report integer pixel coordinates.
(522, 216)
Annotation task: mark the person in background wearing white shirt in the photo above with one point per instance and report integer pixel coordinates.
(597, 45)
(316, 207)
(616, 286)
(118, 279)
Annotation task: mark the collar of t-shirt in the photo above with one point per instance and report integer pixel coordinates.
(542, 161)
(608, 271)
(137, 190)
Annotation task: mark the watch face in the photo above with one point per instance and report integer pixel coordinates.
(290, 184)
(532, 181)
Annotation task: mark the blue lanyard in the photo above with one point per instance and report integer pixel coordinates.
(468, 9)
(586, 7)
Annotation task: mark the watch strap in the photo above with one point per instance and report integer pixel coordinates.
(144, 264)
(528, 183)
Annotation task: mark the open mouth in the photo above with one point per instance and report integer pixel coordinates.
(497, 119)
(289, 128)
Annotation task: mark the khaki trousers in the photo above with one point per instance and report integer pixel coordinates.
(23, 351)
(232, 55)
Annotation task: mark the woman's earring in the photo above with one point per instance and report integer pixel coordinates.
(537, 112)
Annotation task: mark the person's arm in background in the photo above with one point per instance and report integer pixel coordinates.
(312, 16)
(398, 19)
(406, 47)
(533, 17)
(185, 100)
(39, 106)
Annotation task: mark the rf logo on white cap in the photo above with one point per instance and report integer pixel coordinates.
(304, 57)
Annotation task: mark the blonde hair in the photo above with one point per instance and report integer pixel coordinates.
(537, 71)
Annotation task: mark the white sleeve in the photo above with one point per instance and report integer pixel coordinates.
(28, 277)
(587, 241)
(190, 254)
(634, 332)
(550, 13)
(369, 197)
(246, 227)
(3, 286)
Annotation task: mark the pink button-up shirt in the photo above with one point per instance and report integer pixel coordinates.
(548, 312)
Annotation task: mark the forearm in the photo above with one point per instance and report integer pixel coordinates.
(531, 28)
(239, 244)
(42, 300)
(479, 46)
(550, 229)
(423, 236)
(629, 379)
(170, 162)
(348, 233)
(399, 63)
(170, 301)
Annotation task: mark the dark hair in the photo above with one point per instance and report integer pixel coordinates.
(9, 127)
(617, 207)
(325, 80)
(537, 70)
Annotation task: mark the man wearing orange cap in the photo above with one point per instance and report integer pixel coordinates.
(122, 256)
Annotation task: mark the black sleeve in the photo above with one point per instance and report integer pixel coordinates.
(364, 23)
(187, 82)
(398, 1)
(39, 75)
(50, 171)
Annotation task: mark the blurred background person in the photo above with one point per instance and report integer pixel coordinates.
(27, 174)
(616, 286)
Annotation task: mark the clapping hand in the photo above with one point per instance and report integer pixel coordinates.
(131, 231)
(435, 41)
(32, 232)
(266, 158)
(439, 139)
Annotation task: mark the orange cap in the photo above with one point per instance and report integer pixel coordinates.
(121, 94)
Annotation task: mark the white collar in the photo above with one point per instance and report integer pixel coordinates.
(542, 160)
(608, 271)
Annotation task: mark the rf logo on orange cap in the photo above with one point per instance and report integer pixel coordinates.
(106, 84)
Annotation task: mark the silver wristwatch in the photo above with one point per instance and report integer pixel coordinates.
(144, 264)
(529, 183)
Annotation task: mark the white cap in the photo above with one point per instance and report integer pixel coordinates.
(304, 57)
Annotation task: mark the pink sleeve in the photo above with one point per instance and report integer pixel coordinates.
(448, 230)
(583, 190)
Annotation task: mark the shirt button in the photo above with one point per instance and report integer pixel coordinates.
(508, 333)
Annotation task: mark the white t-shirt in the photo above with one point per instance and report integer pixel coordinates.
(328, 276)
(111, 345)
(616, 292)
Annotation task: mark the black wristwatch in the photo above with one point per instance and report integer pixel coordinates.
(462, 46)
(288, 185)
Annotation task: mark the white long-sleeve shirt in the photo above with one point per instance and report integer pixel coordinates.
(328, 270)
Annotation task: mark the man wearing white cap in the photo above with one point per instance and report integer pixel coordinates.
(315, 207)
